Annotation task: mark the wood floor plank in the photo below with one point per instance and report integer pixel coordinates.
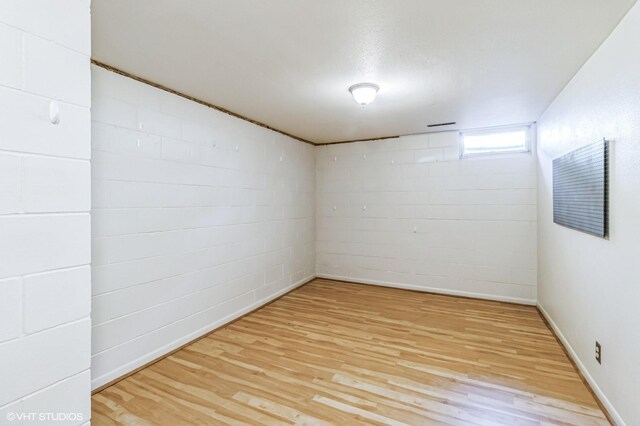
(347, 354)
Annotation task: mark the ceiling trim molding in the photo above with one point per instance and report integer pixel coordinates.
(236, 115)
(196, 100)
(359, 140)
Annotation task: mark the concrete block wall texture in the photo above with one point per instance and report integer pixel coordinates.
(198, 217)
(408, 212)
(45, 201)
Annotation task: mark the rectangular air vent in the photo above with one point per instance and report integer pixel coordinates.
(580, 189)
(441, 124)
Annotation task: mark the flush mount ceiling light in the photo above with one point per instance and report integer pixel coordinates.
(364, 93)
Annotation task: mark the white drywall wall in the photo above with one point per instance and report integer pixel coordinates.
(588, 286)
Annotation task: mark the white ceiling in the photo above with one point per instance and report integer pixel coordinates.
(288, 63)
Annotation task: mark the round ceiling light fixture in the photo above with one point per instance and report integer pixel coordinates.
(364, 93)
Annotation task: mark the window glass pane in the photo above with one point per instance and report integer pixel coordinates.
(490, 143)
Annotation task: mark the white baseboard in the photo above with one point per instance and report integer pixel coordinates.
(430, 289)
(158, 353)
(574, 356)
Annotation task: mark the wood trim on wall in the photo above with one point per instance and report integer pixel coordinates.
(196, 100)
(358, 140)
(234, 114)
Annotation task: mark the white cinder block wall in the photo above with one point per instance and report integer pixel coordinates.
(44, 212)
(198, 217)
(590, 287)
(408, 212)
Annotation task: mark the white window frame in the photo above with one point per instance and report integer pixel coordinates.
(492, 130)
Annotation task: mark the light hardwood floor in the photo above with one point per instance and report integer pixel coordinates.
(347, 354)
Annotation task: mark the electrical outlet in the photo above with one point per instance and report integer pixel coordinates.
(598, 352)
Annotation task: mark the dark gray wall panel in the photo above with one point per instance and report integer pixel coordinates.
(580, 189)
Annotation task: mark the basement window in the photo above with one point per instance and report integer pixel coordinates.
(505, 140)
